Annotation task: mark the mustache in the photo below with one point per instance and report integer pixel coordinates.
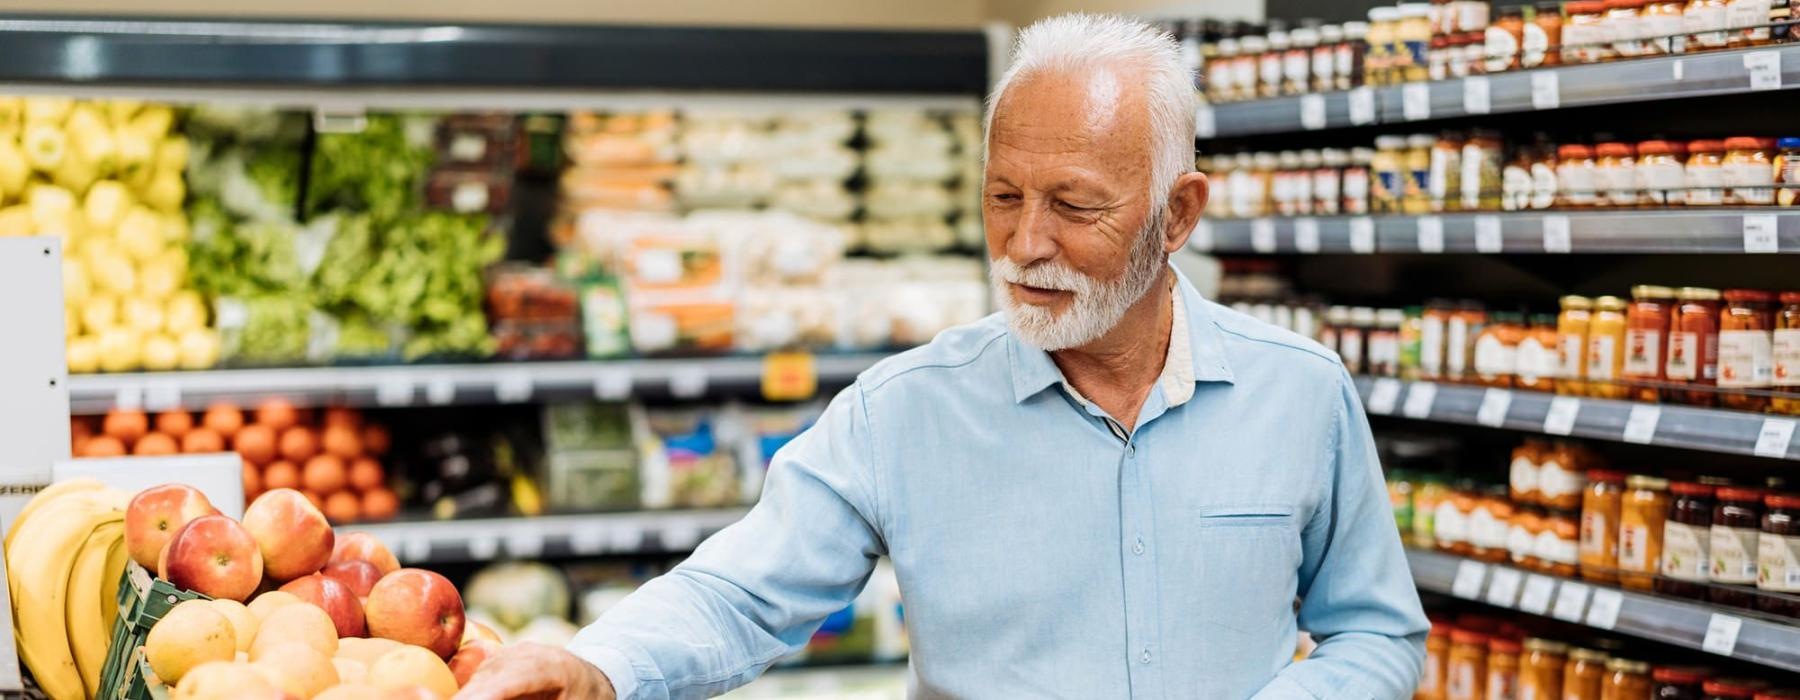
(1045, 274)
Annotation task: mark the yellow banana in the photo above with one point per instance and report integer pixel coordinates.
(90, 633)
(116, 560)
(51, 493)
(40, 563)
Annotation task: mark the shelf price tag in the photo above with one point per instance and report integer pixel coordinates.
(1415, 101)
(1539, 590)
(1765, 69)
(1476, 95)
(1470, 574)
(1262, 235)
(1677, 70)
(1774, 438)
(626, 538)
(1487, 234)
(1640, 425)
(688, 383)
(1383, 397)
(513, 387)
(1560, 420)
(789, 376)
(1201, 240)
(393, 390)
(1503, 586)
(1556, 234)
(1312, 112)
(587, 541)
(1546, 91)
(1362, 106)
(524, 543)
(129, 397)
(440, 390)
(416, 549)
(1721, 634)
(483, 547)
(1418, 400)
(1494, 403)
(1206, 124)
(612, 384)
(1431, 234)
(1760, 234)
(1571, 601)
(1306, 235)
(1362, 235)
(162, 396)
(681, 537)
(1603, 613)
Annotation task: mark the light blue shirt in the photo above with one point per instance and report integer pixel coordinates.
(1044, 552)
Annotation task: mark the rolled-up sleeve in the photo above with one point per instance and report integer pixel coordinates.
(756, 591)
(1357, 593)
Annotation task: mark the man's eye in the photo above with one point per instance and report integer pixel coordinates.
(1072, 207)
(1006, 197)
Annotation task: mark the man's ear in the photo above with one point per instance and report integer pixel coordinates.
(1187, 202)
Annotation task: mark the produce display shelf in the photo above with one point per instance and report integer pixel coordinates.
(1662, 425)
(1739, 634)
(438, 385)
(548, 536)
(1710, 230)
(1637, 80)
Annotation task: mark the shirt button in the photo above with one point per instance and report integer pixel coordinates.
(1131, 450)
(1146, 655)
(1138, 547)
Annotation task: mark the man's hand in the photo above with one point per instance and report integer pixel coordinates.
(530, 671)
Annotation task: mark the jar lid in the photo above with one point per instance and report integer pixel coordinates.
(1512, 11)
(1278, 40)
(1613, 149)
(1647, 482)
(1623, 4)
(1585, 654)
(1415, 10)
(1463, 636)
(1652, 291)
(1609, 303)
(1627, 666)
(1304, 37)
(1792, 297)
(1390, 317)
(1362, 316)
(1504, 645)
(1787, 142)
(1358, 30)
(1587, 7)
(1697, 294)
(1331, 34)
(1390, 142)
(1734, 687)
(1503, 318)
(1749, 295)
(1686, 675)
(1442, 41)
(1574, 151)
(1657, 147)
(1548, 646)
(1705, 146)
(1748, 143)
(1691, 488)
(1421, 141)
(1606, 475)
(1740, 493)
(1576, 302)
(1778, 694)
(1782, 500)
(1552, 7)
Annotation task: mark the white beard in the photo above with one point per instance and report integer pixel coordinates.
(1097, 305)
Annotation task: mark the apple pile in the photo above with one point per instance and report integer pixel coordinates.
(323, 611)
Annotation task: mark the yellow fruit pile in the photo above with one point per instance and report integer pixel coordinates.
(107, 177)
(64, 557)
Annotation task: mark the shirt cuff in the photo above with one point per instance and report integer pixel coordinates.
(614, 664)
(1282, 688)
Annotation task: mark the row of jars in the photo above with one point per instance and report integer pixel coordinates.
(1457, 171)
(1478, 658)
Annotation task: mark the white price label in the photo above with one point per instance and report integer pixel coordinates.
(1431, 234)
(129, 398)
(1362, 235)
(1418, 400)
(415, 550)
(688, 383)
(440, 390)
(1362, 106)
(612, 384)
(627, 538)
(1640, 425)
(1765, 69)
(1476, 95)
(1721, 634)
(1546, 92)
(1760, 234)
(1677, 70)
(1383, 397)
(1603, 613)
(1469, 576)
(587, 541)
(1774, 438)
(513, 387)
(1571, 601)
(393, 390)
(1538, 592)
(1206, 125)
(1262, 235)
(1312, 112)
(1503, 586)
(1415, 101)
(483, 547)
(1560, 420)
(1487, 235)
(681, 537)
(524, 543)
(1494, 403)
(1201, 240)
(1556, 234)
(1306, 235)
(162, 396)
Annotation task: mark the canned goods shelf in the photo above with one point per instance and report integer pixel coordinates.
(549, 536)
(1674, 231)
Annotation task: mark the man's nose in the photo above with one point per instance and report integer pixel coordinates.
(1034, 240)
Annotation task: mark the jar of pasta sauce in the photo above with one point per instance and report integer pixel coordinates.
(1749, 170)
(1606, 349)
(1694, 345)
(1541, 669)
(1705, 173)
(1662, 178)
(1559, 545)
(1466, 674)
(1615, 172)
(1736, 528)
(1778, 555)
(1746, 349)
(1571, 344)
(1521, 537)
(1600, 508)
(1687, 541)
(1584, 674)
(1576, 177)
(1786, 355)
(1642, 514)
(1437, 662)
(1679, 682)
(1626, 679)
(1646, 337)
(1733, 688)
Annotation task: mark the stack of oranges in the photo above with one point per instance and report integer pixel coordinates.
(332, 456)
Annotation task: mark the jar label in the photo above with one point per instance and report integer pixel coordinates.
(1295, 66)
(1746, 358)
(1705, 185)
(1463, 683)
(1619, 181)
(1520, 542)
(1535, 361)
(1432, 681)
(1625, 32)
(1661, 182)
(1442, 160)
(1601, 351)
(1706, 24)
(1515, 188)
(1577, 183)
(1502, 48)
(1687, 551)
(1495, 359)
(1749, 183)
(1786, 357)
(1322, 62)
(1502, 685)
(1684, 356)
(1356, 191)
(1487, 531)
(1534, 46)
(1431, 346)
(1456, 347)
(1269, 70)
(1543, 186)
(1325, 191)
(1350, 348)
(1570, 356)
(1747, 14)
(1556, 482)
(1778, 563)
(1643, 352)
(1661, 33)
(1594, 530)
(1634, 547)
(1734, 554)
(1555, 549)
(1451, 526)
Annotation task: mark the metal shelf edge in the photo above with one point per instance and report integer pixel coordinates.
(1672, 231)
(483, 539)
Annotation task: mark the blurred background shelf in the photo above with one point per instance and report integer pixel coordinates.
(549, 536)
(1663, 232)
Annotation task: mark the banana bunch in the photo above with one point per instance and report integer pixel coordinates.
(64, 558)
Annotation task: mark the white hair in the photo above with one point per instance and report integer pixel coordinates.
(1079, 41)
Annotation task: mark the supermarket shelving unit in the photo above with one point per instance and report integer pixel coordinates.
(1624, 231)
(484, 539)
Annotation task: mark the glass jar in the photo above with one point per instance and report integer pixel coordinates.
(1746, 349)
(1482, 181)
(1221, 79)
(1390, 175)
(1429, 493)
(1489, 526)
(1571, 344)
(1584, 674)
(1749, 171)
(1601, 505)
(1324, 58)
(1400, 499)
(1537, 360)
(1412, 331)
(1384, 343)
(1678, 682)
(1445, 186)
(1246, 69)
(1660, 175)
(1268, 65)
(1561, 477)
(1687, 541)
(1704, 24)
(1432, 336)
(1460, 332)
(1733, 688)
(1646, 338)
(1559, 545)
(1337, 320)
(1659, 26)
(1414, 39)
(1787, 171)
(1585, 36)
(1357, 181)
(1642, 515)
(1348, 70)
(1466, 673)
(1785, 356)
(1541, 36)
(1327, 181)
(1749, 22)
(1778, 694)
(1624, 28)
(1353, 339)
(1705, 173)
(1778, 555)
(1615, 173)
(1541, 168)
(1502, 669)
(1541, 669)
(1694, 345)
(1437, 661)
(1626, 679)
(1497, 350)
(1296, 63)
(1451, 529)
(1416, 198)
(1440, 55)
(1521, 537)
(1503, 40)
(1736, 527)
(1576, 176)
(1606, 349)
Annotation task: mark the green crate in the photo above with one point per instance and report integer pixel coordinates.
(143, 600)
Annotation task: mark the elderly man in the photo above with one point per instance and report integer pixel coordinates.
(1115, 488)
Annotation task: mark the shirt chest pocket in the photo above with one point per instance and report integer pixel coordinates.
(1249, 559)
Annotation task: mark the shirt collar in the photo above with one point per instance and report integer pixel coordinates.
(1196, 354)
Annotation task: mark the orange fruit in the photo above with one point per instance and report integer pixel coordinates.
(366, 474)
(341, 441)
(223, 418)
(342, 507)
(127, 426)
(380, 504)
(79, 427)
(339, 416)
(375, 440)
(256, 442)
(299, 444)
(104, 446)
(278, 414)
(324, 475)
(252, 481)
(154, 445)
(175, 423)
(281, 475)
(202, 440)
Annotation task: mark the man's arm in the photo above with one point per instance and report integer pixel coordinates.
(751, 594)
(1357, 594)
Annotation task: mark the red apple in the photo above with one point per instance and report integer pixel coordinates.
(469, 659)
(335, 598)
(156, 513)
(359, 575)
(294, 537)
(473, 631)
(417, 607)
(214, 555)
(363, 546)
